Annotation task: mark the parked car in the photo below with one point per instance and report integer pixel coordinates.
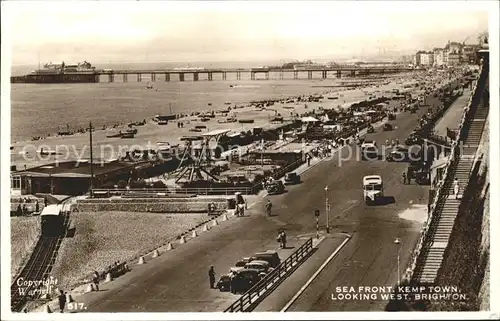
(261, 265)
(242, 262)
(224, 283)
(275, 187)
(269, 256)
(292, 178)
(370, 129)
(391, 117)
(244, 279)
(388, 127)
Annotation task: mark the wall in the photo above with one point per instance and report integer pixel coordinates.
(156, 205)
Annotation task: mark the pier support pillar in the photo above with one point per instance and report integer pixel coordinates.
(195, 76)
(267, 75)
(153, 77)
(125, 77)
(382, 71)
(139, 77)
(210, 76)
(339, 74)
(309, 74)
(167, 76)
(111, 77)
(238, 75)
(353, 73)
(324, 75)
(281, 74)
(295, 74)
(252, 75)
(181, 76)
(224, 75)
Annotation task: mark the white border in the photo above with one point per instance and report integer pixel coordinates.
(490, 6)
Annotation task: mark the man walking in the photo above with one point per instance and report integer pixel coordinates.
(211, 276)
(456, 188)
(62, 300)
(95, 280)
(283, 240)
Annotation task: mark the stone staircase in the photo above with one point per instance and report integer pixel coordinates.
(440, 229)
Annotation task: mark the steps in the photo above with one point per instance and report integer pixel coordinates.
(441, 227)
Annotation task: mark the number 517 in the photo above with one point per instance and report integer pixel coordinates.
(75, 305)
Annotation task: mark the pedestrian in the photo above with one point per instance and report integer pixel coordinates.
(397, 141)
(279, 239)
(62, 300)
(37, 207)
(283, 240)
(45, 201)
(308, 160)
(211, 276)
(404, 178)
(95, 280)
(19, 210)
(456, 188)
(25, 209)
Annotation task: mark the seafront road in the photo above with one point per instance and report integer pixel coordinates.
(177, 281)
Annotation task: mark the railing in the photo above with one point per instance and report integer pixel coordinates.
(453, 158)
(173, 191)
(248, 301)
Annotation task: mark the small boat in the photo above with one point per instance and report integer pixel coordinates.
(113, 135)
(46, 153)
(227, 103)
(128, 135)
(162, 122)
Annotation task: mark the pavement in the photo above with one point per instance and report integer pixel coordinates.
(453, 115)
(177, 281)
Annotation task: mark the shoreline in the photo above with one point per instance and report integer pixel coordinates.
(151, 132)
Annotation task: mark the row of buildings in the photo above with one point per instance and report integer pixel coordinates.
(454, 53)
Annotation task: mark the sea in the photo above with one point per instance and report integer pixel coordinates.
(43, 109)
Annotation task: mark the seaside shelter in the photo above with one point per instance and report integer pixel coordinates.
(72, 177)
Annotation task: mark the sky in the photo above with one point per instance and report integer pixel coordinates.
(152, 31)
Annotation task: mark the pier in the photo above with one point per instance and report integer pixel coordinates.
(211, 74)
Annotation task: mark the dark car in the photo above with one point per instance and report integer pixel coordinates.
(370, 129)
(270, 256)
(398, 154)
(391, 116)
(275, 187)
(292, 178)
(224, 283)
(388, 127)
(244, 279)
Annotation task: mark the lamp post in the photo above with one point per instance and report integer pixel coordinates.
(398, 241)
(327, 210)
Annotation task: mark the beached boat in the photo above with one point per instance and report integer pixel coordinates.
(113, 135)
(128, 134)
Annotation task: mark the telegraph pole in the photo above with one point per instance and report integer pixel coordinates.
(316, 214)
(327, 210)
(91, 163)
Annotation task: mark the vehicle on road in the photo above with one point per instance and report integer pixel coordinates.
(224, 283)
(388, 127)
(244, 279)
(242, 262)
(391, 116)
(275, 187)
(398, 154)
(262, 266)
(370, 129)
(369, 150)
(269, 256)
(292, 178)
(373, 189)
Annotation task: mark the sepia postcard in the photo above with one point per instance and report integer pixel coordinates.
(291, 159)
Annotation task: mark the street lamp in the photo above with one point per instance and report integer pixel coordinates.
(327, 210)
(398, 241)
